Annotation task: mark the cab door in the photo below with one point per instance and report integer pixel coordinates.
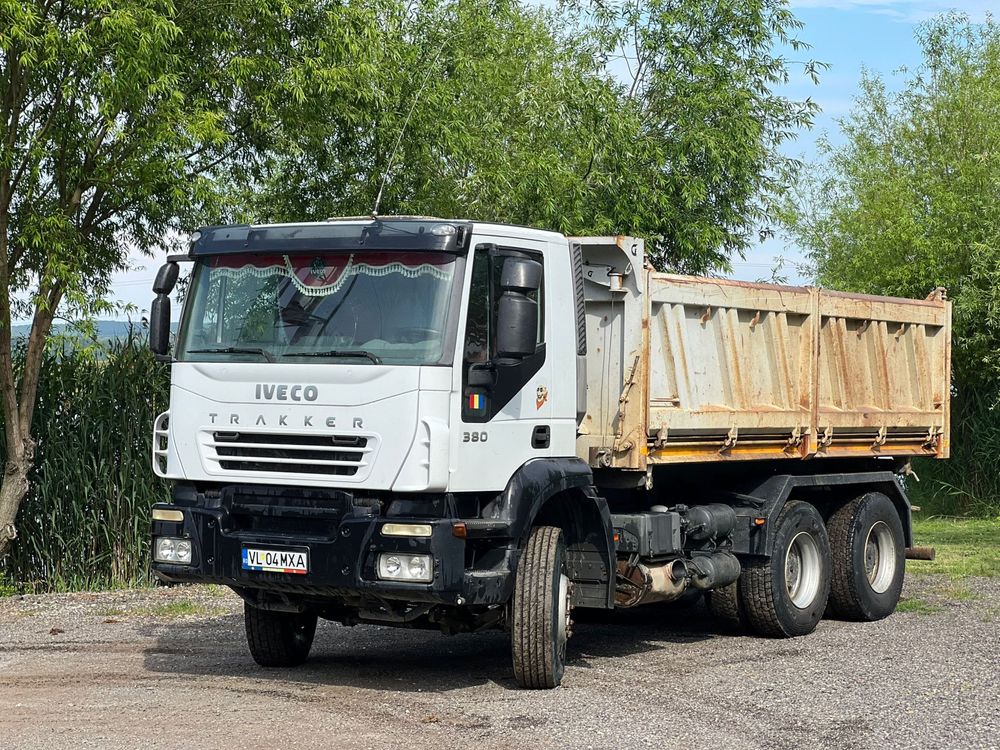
(502, 414)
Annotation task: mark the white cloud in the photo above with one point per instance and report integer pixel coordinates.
(909, 11)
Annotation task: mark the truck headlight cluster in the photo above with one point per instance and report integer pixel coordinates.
(170, 550)
(394, 566)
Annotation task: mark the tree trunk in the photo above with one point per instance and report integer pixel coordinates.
(13, 490)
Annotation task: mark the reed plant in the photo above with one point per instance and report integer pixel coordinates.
(85, 522)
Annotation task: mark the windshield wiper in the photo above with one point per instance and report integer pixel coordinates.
(235, 350)
(337, 353)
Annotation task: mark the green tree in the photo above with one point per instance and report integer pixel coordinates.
(530, 116)
(909, 202)
(123, 121)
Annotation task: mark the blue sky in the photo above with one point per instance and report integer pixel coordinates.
(846, 34)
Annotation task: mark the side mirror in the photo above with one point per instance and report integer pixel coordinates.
(159, 311)
(517, 313)
(166, 278)
(159, 325)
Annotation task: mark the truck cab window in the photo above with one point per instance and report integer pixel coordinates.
(480, 336)
(484, 296)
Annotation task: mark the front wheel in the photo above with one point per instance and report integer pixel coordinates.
(278, 639)
(540, 610)
(786, 594)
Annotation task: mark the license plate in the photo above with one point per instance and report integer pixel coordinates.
(276, 560)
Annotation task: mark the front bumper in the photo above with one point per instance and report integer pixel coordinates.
(343, 554)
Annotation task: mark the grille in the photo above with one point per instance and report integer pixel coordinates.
(330, 455)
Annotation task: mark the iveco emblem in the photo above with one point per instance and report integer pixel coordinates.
(285, 392)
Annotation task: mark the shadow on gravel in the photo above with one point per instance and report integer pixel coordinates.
(381, 658)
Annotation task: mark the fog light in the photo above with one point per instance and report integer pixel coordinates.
(406, 529)
(167, 514)
(413, 568)
(170, 550)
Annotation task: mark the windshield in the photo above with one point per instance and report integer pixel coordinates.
(366, 307)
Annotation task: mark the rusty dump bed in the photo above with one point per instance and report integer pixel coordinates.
(684, 369)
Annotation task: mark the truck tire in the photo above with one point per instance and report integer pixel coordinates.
(278, 639)
(541, 607)
(724, 605)
(866, 542)
(786, 594)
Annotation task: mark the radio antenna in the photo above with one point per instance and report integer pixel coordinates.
(402, 130)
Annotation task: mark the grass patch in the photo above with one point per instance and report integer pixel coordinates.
(214, 589)
(918, 606)
(956, 592)
(964, 547)
(180, 608)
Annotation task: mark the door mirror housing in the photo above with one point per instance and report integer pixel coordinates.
(159, 311)
(517, 313)
(159, 326)
(166, 278)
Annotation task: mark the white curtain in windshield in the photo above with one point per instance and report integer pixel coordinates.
(392, 306)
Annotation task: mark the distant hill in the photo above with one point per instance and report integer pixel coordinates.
(106, 329)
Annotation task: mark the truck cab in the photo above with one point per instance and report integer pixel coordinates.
(391, 421)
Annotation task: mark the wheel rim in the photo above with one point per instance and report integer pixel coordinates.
(803, 569)
(880, 557)
(562, 633)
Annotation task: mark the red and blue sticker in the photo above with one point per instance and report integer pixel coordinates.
(477, 403)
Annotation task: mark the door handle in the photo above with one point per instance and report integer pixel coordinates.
(540, 437)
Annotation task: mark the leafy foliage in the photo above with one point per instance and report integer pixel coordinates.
(909, 203)
(524, 116)
(119, 120)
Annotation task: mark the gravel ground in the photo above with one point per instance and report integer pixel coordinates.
(169, 668)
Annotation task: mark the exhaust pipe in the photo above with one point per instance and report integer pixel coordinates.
(642, 583)
(920, 553)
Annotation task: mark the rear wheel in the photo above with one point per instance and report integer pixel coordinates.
(786, 594)
(278, 639)
(540, 610)
(866, 541)
(724, 605)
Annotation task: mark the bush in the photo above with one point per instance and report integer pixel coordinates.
(85, 522)
(968, 484)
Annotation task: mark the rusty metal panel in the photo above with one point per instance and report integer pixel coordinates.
(731, 369)
(692, 369)
(884, 375)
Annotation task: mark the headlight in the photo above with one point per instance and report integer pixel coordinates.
(171, 550)
(394, 566)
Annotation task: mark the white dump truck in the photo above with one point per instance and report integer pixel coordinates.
(461, 425)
